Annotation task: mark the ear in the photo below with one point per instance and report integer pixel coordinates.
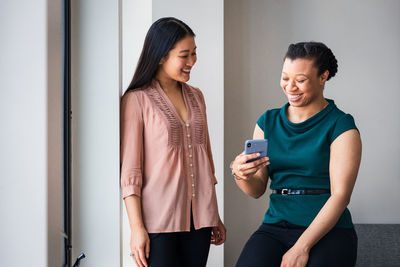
(162, 61)
(324, 76)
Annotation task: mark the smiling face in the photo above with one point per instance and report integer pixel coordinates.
(301, 83)
(177, 64)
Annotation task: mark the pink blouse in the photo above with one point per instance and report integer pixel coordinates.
(166, 161)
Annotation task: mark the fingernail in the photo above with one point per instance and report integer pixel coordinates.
(258, 154)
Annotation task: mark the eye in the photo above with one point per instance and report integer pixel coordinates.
(301, 81)
(285, 79)
(185, 56)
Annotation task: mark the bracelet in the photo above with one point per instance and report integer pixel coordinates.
(233, 173)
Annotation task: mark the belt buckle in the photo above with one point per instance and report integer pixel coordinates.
(285, 192)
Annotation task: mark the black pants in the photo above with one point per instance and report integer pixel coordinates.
(180, 249)
(270, 242)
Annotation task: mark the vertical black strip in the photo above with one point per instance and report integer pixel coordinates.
(67, 133)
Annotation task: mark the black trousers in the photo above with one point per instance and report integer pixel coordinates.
(180, 249)
(269, 243)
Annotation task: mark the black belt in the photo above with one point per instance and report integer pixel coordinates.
(301, 191)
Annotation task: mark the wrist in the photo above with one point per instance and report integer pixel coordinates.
(233, 172)
(303, 247)
(137, 226)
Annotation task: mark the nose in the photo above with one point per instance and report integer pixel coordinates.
(290, 86)
(191, 61)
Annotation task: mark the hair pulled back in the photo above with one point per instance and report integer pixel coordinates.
(322, 56)
(160, 39)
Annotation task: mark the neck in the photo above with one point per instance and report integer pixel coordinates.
(300, 114)
(167, 84)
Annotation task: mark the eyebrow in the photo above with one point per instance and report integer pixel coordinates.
(187, 50)
(296, 74)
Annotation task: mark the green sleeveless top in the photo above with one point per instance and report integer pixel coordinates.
(299, 158)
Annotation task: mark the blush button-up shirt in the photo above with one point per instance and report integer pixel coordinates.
(167, 161)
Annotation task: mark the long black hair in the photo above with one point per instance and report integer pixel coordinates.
(160, 39)
(323, 57)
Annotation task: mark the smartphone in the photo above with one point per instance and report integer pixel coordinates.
(256, 146)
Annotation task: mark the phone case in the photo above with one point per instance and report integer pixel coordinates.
(256, 146)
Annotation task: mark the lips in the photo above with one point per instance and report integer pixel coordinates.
(293, 97)
(187, 71)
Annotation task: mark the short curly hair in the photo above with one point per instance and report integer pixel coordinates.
(323, 57)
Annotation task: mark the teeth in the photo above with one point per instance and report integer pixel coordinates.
(186, 71)
(293, 96)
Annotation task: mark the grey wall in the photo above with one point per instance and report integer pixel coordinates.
(365, 37)
(30, 136)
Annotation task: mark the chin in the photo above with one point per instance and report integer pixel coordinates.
(302, 103)
(295, 104)
(183, 80)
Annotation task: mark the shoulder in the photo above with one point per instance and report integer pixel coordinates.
(129, 96)
(138, 94)
(194, 90)
(337, 112)
(133, 101)
(196, 93)
(342, 122)
(268, 116)
(339, 116)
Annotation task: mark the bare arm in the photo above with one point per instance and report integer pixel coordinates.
(133, 206)
(253, 177)
(140, 242)
(345, 158)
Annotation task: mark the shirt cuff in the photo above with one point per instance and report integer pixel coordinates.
(131, 189)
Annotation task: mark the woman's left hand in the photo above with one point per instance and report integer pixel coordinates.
(218, 234)
(295, 257)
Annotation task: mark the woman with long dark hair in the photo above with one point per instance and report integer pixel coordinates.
(167, 170)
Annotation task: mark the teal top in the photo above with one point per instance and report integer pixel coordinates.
(299, 159)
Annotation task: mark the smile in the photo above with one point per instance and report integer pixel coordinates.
(294, 97)
(186, 70)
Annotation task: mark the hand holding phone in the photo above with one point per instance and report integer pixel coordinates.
(256, 146)
(242, 171)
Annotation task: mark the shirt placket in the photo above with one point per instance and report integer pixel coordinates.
(190, 160)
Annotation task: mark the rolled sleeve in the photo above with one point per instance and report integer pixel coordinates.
(131, 145)
(131, 184)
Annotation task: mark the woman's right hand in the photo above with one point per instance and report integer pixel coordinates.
(140, 246)
(245, 170)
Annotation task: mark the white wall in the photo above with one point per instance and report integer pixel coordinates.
(365, 37)
(30, 137)
(206, 20)
(95, 86)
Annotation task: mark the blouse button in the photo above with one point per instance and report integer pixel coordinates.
(188, 135)
(193, 195)
(189, 146)
(192, 175)
(187, 124)
(192, 185)
(191, 165)
(190, 156)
